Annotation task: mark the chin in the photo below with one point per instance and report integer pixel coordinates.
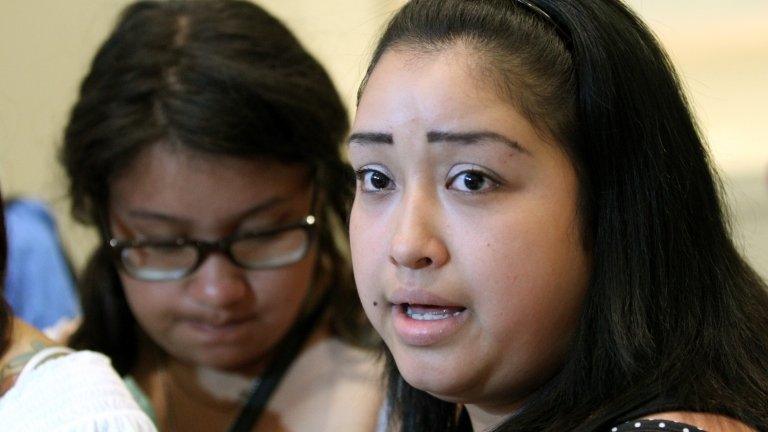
(440, 387)
(447, 381)
(466, 387)
(225, 360)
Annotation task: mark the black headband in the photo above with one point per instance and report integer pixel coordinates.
(564, 36)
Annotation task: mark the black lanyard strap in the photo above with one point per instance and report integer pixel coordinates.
(286, 353)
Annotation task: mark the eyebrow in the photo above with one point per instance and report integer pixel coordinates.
(371, 138)
(365, 138)
(473, 138)
(169, 218)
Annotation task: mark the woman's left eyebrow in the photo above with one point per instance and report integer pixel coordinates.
(474, 138)
(364, 138)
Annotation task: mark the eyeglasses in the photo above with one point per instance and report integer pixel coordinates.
(159, 260)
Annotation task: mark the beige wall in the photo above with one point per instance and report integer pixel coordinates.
(720, 48)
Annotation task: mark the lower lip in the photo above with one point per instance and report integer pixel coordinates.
(219, 333)
(425, 333)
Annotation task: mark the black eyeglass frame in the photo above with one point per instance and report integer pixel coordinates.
(204, 248)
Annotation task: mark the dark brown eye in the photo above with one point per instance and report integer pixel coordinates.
(372, 180)
(379, 180)
(472, 181)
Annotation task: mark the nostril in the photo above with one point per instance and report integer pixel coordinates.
(418, 252)
(425, 262)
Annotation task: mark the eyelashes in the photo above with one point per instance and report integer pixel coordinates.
(470, 180)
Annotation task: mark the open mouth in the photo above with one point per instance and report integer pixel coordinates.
(420, 312)
(424, 324)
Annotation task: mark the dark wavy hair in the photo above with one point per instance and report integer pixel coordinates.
(217, 77)
(5, 311)
(673, 314)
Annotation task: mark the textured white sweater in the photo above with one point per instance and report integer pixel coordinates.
(61, 390)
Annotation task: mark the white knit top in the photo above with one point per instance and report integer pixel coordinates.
(62, 390)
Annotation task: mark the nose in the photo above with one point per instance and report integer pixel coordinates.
(219, 282)
(418, 242)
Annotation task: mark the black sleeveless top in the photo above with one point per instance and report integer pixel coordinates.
(654, 425)
(629, 421)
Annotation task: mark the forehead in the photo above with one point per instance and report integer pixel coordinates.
(411, 92)
(422, 80)
(199, 186)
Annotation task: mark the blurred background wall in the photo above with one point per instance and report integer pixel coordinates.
(720, 50)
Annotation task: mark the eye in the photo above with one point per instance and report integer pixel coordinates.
(373, 180)
(472, 181)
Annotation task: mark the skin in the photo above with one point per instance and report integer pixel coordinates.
(26, 341)
(511, 252)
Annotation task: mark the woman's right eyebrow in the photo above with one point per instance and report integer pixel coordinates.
(364, 138)
(150, 215)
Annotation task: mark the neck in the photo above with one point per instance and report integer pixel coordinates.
(209, 384)
(485, 417)
(201, 382)
(160, 374)
(185, 395)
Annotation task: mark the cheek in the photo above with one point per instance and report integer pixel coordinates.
(534, 276)
(368, 245)
(280, 293)
(152, 305)
(367, 238)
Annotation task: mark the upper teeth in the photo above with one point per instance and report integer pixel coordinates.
(430, 315)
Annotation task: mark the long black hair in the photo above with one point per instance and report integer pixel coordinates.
(673, 314)
(218, 77)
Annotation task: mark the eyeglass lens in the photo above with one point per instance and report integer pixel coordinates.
(261, 251)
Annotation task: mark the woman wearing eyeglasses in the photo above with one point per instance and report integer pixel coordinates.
(204, 147)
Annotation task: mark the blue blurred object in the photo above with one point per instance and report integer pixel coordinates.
(39, 284)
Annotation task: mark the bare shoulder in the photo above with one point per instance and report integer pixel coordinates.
(26, 341)
(348, 361)
(335, 362)
(706, 421)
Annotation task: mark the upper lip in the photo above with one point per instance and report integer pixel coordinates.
(416, 296)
